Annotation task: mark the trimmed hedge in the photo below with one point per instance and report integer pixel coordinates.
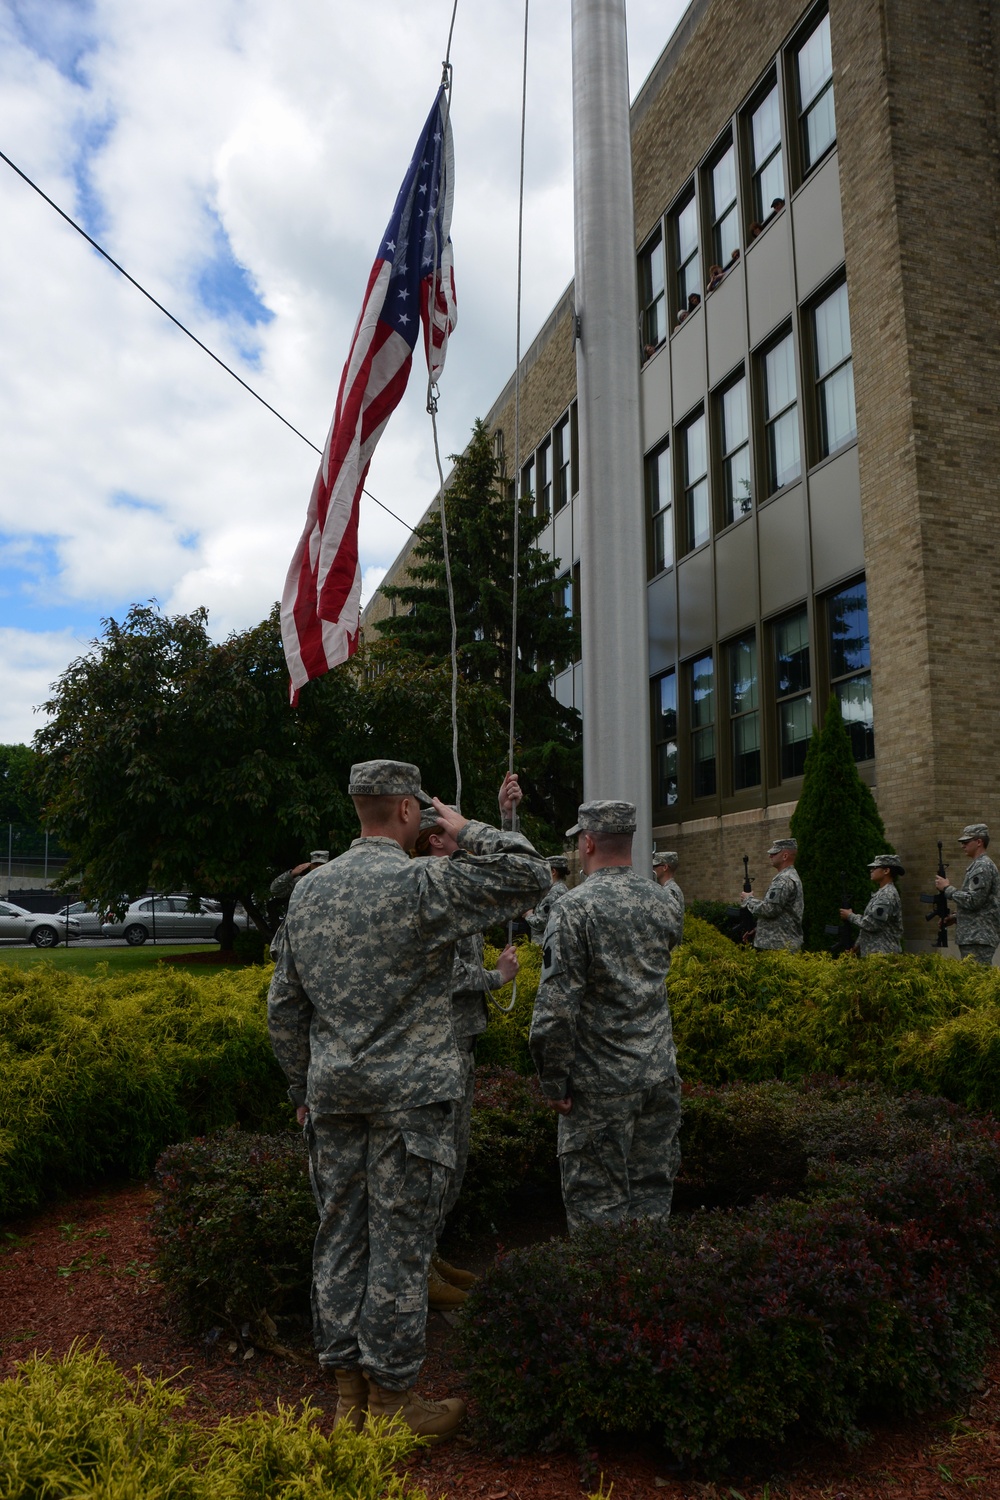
(235, 1219)
(872, 1293)
(78, 1426)
(98, 1075)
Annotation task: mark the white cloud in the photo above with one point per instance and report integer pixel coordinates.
(32, 662)
(133, 466)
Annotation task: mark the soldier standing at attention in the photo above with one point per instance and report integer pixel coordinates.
(359, 1013)
(538, 919)
(978, 917)
(779, 913)
(665, 864)
(601, 1035)
(881, 924)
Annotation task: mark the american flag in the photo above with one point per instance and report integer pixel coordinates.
(321, 603)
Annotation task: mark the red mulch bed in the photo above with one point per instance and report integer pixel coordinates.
(83, 1270)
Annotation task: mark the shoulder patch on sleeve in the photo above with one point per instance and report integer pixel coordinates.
(551, 953)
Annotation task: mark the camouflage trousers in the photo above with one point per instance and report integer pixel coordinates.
(619, 1154)
(379, 1181)
(462, 1125)
(981, 952)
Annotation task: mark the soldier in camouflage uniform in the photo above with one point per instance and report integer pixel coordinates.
(978, 902)
(665, 862)
(471, 981)
(779, 913)
(538, 919)
(359, 1012)
(881, 923)
(284, 884)
(601, 1035)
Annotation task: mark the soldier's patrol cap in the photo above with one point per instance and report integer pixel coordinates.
(887, 862)
(973, 831)
(386, 778)
(559, 863)
(603, 817)
(780, 844)
(668, 857)
(429, 817)
(319, 856)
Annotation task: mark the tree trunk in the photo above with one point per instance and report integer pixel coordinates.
(228, 905)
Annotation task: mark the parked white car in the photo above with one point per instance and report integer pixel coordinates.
(44, 929)
(171, 917)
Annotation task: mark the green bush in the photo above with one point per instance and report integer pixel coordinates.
(98, 1075)
(871, 1292)
(235, 1218)
(77, 1426)
(251, 947)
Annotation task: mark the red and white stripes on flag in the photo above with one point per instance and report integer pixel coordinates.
(411, 285)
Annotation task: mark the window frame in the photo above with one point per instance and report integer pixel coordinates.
(763, 212)
(803, 111)
(562, 464)
(736, 715)
(716, 217)
(818, 454)
(724, 456)
(842, 679)
(651, 300)
(767, 421)
(661, 741)
(687, 486)
(678, 268)
(664, 512)
(779, 699)
(698, 729)
(543, 470)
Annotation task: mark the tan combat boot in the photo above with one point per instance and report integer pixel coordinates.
(433, 1420)
(441, 1294)
(352, 1398)
(461, 1279)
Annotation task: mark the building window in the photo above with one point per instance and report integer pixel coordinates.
(543, 499)
(652, 296)
(781, 415)
(665, 737)
(725, 215)
(686, 261)
(694, 460)
(528, 479)
(703, 726)
(744, 711)
(562, 456)
(574, 450)
(850, 665)
(834, 372)
(814, 76)
(734, 442)
(659, 510)
(498, 452)
(792, 691)
(766, 165)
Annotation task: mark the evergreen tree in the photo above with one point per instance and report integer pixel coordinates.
(838, 828)
(479, 507)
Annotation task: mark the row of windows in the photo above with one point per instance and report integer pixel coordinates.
(714, 210)
(718, 451)
(552, 472)
(717, 726)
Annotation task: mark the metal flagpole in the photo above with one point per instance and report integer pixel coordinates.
(616, 755)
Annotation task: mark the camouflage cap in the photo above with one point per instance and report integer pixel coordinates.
(668, 857)
(780, 844)
(386, 778)
(973, 831)
(559, 863)
(603, 817)
(429, 817)
(319, 856)
(887, 862)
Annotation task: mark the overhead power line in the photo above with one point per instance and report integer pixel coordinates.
(183, 328)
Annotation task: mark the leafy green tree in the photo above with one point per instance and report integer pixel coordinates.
(174, 762)
(18, 796)
(479, 507)
(838, 828)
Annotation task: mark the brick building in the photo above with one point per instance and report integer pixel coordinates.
(820, 430)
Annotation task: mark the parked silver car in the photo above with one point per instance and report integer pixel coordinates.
(44, 929)
(170, 917)
(90, 917)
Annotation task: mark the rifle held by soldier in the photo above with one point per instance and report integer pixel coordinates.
(939, 901)
(742, 925)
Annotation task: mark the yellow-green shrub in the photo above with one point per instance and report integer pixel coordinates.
(77, 1426)
(97, 1075)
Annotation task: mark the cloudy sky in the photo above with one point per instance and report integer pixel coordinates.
(240, 159)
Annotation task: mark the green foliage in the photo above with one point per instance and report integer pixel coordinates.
(838, 828)
(18, 794)
(716, 913)
(512, 1145)
(174, 762)
(97, 1076)
(504, 1044)
(479, 507)
(870, 1292)
(78, 1426)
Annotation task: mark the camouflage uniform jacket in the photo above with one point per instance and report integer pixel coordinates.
(601, 1022)
(779, 913)
(539, 919)
(359, 1008)
(881, 923)
(978, 904)
(673, 894)
(470, 980)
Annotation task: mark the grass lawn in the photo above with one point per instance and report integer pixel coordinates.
(118, 960)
